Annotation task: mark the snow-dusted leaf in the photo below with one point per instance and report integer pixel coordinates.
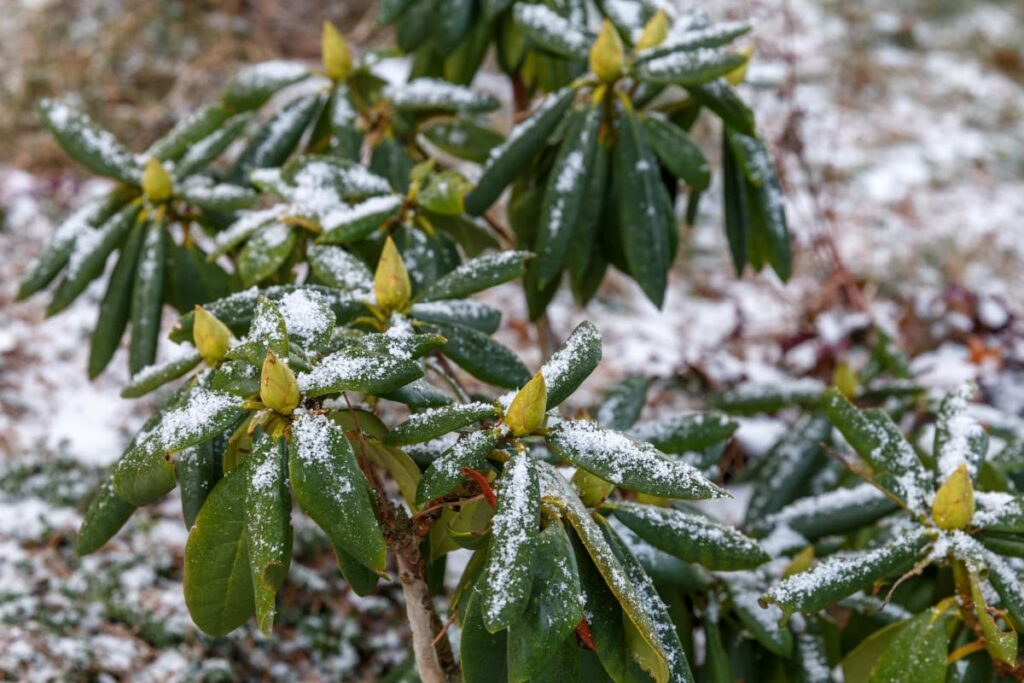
(418, 395)
(275, 140)
(199, 155)
(115, 308)
(879, 441)
(331, 488)
(692, 537)
(322, 184)
(549, 30)
(187, 132)
(369, 374)
(835, 512)
(523, 143)
(436, 422)
(677, 151)
(721, 98)
(704, 37)
(266, 252)
(622, 404)
(351, 224)
(248, 223)
(337, 268)
(685, 431)
(628, 463)
(89, 255)
(843, 574)
(1008, 585)
(197, 470)
(308, 318)
(999, 512)
(462, 138)
(688, 67)
(572, 363)
(148, 294)
(744, 589)
(96, 149)
(481, 356)
(153, 376)
(216, 197)
(959, 439)
(217, 577)
(508, 577)
(785, 469)
(468, 312)
(267, 521)
(445, 473)
(254, 85)
(436, 95)
(477, 275)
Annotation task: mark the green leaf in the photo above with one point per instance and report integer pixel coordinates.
(331, 488)
(691, 537)
(197, 470)
(687, 68)
(187, 132)
(452, 21)
(267, 523)
(436, 422)
(96, 149)
(631, 464)
(958, 437)
(103, 518)
(254, 85)
(482, 652)
(881, 444)
(201, 154)
(690, 41)
(554, 608)
(335, 181)
(343, 226)
(572, 363)
(678, 152)
(641, 196)
(155, 376)
(477, 275)
(524, 142)
(89, 256)
(587, 262)
(265, 253)
(736, 207)
(275, 141)
(481, 356)
(462, 138)
(622, 404)
(191, 279)
(842, 575)
(685, 432)
(721, 98)
(418, 395)
(1007, 584)
(116, 305)
(604, 616)
(445, 473)
(917, 653)
(148, 296)
(218, 584)
(765, 201)
(565, 194)
(550, 31)
(508, 576)
(744, 588)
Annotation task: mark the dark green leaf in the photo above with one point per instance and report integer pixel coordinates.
(96, 149)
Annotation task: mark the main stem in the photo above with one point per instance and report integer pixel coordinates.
(435, 661)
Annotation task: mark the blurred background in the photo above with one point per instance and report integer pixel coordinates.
(899, 130)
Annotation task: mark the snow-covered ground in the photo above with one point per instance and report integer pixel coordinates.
(900, 134)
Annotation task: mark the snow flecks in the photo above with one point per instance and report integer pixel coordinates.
(341, 269)
(552, 27)
(73, 123)
(269, 73)
(307, 315)
(347, 215)
(523, 127)
(246, 226)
